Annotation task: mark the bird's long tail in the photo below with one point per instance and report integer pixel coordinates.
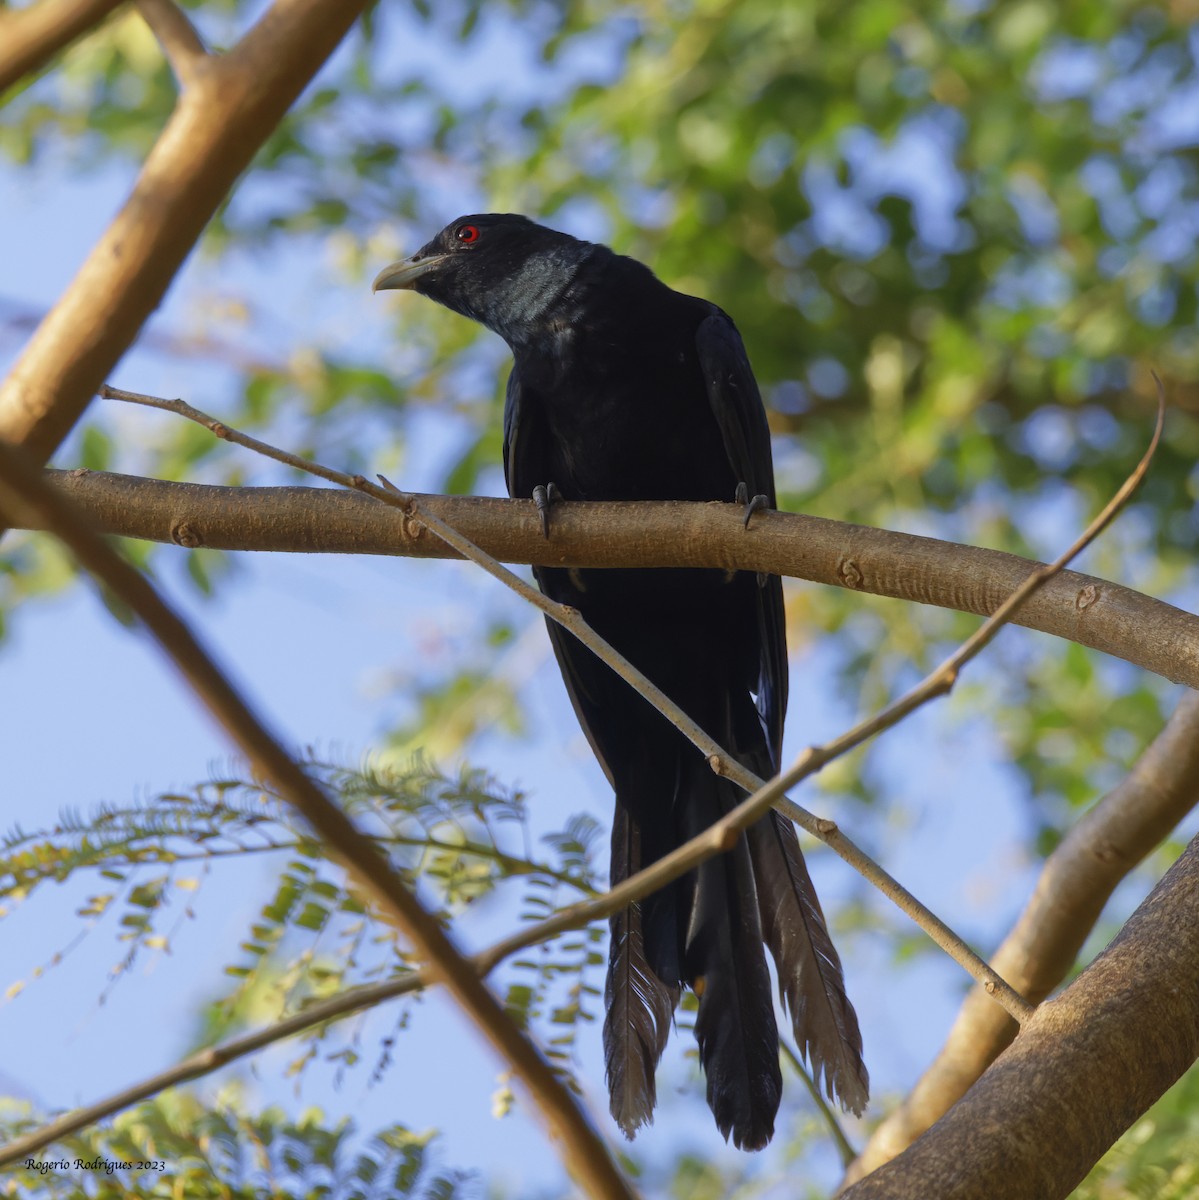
(707, 931)
(703, 930)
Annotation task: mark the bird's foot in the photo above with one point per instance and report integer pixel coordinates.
(545, 498)
(752, 504)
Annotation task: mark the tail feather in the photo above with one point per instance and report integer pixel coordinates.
(639, 1005)
(707, 930)
(809, 970)
(735, 1025)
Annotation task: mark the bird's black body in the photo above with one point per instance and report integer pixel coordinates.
(623, 389)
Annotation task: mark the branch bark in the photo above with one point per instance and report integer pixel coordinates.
(215, 130)
(1075, 884)
(1084, 1068)
(32, 36)
(1105, 616)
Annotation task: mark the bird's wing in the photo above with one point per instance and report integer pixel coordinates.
(638, 1004)
(590, 683)
(736, 402)
(522, 434)
(737, 406)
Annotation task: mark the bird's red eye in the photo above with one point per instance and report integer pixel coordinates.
(467, 234)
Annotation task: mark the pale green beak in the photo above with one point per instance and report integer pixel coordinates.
(404, 274)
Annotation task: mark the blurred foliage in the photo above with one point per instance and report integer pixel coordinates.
(312, 936)
(956, 238)
(174, 1146)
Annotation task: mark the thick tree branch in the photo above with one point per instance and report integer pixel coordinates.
(1083, 1069)
(1105, 616)
(1076, 882)
(30, 37)
(22, 487)
(215, 130)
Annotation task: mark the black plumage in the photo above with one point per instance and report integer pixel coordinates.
(623, 389)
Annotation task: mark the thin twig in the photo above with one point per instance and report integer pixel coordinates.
(844, 1145)
(110, 855)
(204, 1062)
(22, 488)
(182, 45)
(763, 795)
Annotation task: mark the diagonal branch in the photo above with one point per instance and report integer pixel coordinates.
(1076, 882)
(1093, 612)
(22, 488)
(31, 36)
(177, 36)
(216, 128)
(1083, 1069)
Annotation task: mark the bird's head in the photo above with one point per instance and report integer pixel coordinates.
(500, 269)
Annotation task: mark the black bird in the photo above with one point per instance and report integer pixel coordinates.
(623, 389)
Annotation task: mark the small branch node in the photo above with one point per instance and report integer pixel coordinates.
(184, 533)
(1086, 597)
(849, 573)
(826, 828)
